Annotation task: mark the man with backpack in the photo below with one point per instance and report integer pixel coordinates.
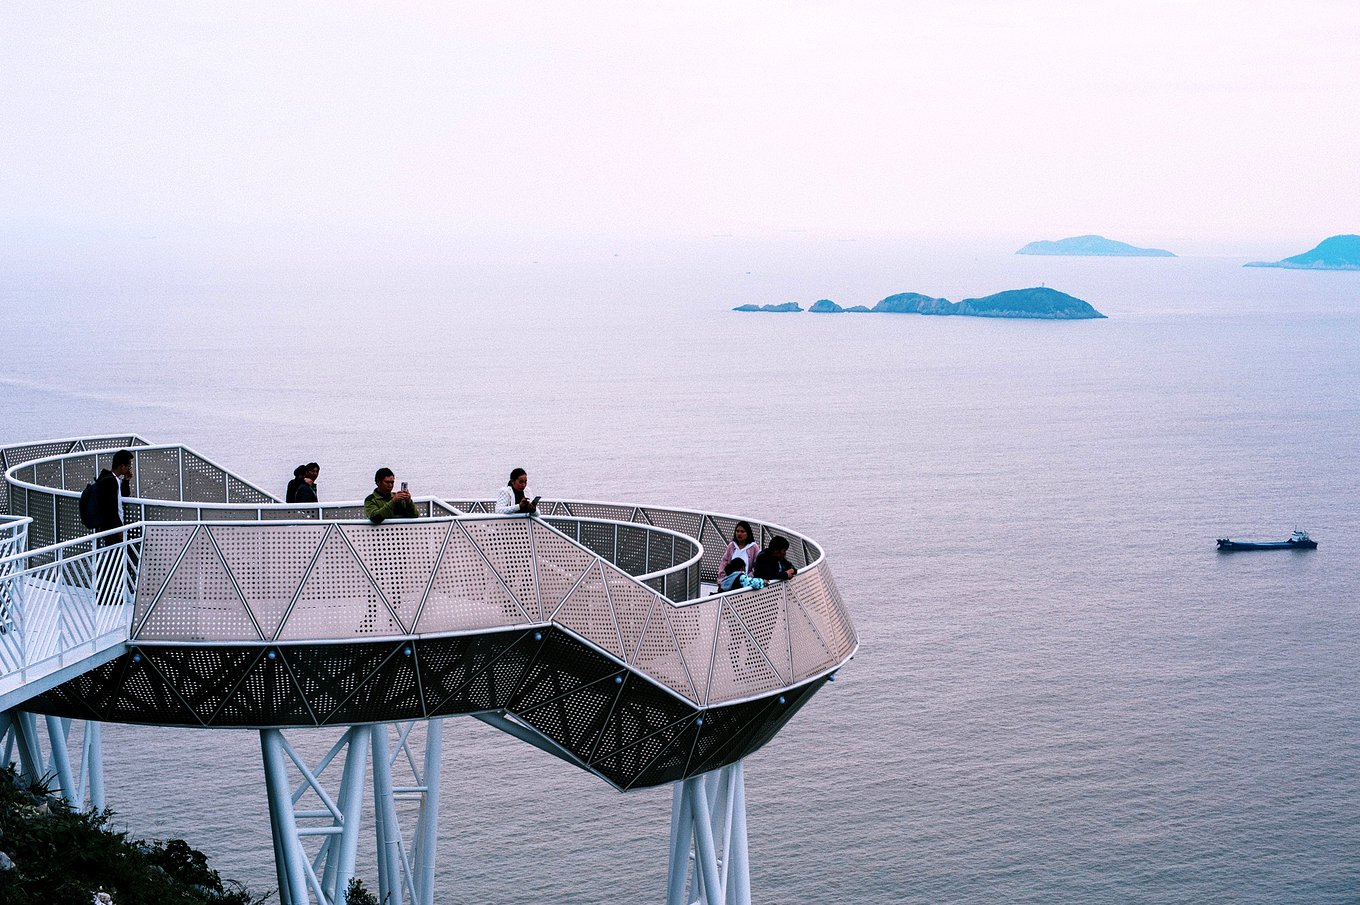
(112, 485)
(109, 489)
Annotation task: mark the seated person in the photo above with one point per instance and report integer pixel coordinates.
(383, 503)
(513, 498)
(736, 577)
(772, 564)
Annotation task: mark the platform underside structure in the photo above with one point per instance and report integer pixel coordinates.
(584, 630)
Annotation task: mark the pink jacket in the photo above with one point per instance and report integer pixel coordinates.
(747, 553)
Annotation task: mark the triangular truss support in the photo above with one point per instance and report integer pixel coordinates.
(299, 814)
(709, 861)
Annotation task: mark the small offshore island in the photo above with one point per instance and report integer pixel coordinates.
(1038, 302)
(1093, 246)
(1335, 253)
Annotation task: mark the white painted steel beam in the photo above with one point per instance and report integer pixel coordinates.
(708, 831)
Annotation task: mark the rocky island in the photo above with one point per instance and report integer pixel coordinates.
(1039, 302)
(1093, 246)
(781, 308)
(826, 306)
(1335, 253)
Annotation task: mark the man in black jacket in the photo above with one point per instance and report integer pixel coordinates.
(110, 487)
(772, 563)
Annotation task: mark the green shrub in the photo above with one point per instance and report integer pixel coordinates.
(63, 857)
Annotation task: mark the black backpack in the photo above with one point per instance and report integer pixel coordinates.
(89, 506)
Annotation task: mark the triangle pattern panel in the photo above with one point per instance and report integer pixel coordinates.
(466, 593)
(505, 542)
(625, 765)
(268, 565)
(561, 563)
(338, 600)
(199, 602)
(632, 604)
(643, 710)
(763, 613)
(810, 653)
(203, 677)
(561, 665)
(714, 543)
(161, 546)
(587, 612)
(575, 719)
(391, 692)
(670, 764)
(142, 691)
(658, 655)
(739, 666)
(820, 598)
(693, 628)
(401, 559)
(328, 674)
(265, 696)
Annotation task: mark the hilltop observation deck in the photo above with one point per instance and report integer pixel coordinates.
(590, 629)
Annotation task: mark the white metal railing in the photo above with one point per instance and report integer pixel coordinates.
(13, 534)
(62, 604)
(623, 578)
(309, 582)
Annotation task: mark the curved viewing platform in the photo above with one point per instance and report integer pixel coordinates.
(584, 629)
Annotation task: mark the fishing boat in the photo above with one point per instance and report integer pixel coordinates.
(1299, 540)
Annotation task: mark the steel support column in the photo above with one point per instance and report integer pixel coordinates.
(708, 829)
(82, 784)
(405, 873)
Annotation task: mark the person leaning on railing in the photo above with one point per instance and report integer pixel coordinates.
(772, 563)
(513, 498)
(384, 503)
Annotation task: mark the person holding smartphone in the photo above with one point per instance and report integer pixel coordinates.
(513, 498)
(385, 503)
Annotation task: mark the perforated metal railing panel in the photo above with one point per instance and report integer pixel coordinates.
(297, 620)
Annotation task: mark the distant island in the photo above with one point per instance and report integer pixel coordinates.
(1093, 246)
(826, 306)
(782, 308)
(1336, 253)
(1039, 302)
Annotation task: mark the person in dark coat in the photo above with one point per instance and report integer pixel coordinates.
(306, 491)
(112, 485)
(290, 496)
(772, 563)
(110, 488)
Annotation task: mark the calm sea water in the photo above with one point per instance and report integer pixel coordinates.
(1064, 694)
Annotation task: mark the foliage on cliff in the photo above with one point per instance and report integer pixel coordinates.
(55, 855)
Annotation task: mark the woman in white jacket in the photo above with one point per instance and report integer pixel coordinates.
(742, 546)
(512, 498)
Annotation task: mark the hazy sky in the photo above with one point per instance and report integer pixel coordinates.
(1153, 122)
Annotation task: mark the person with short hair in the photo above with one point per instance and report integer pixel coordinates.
(111, 487)
(513, 498)
(772, 563)
(385, 503)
